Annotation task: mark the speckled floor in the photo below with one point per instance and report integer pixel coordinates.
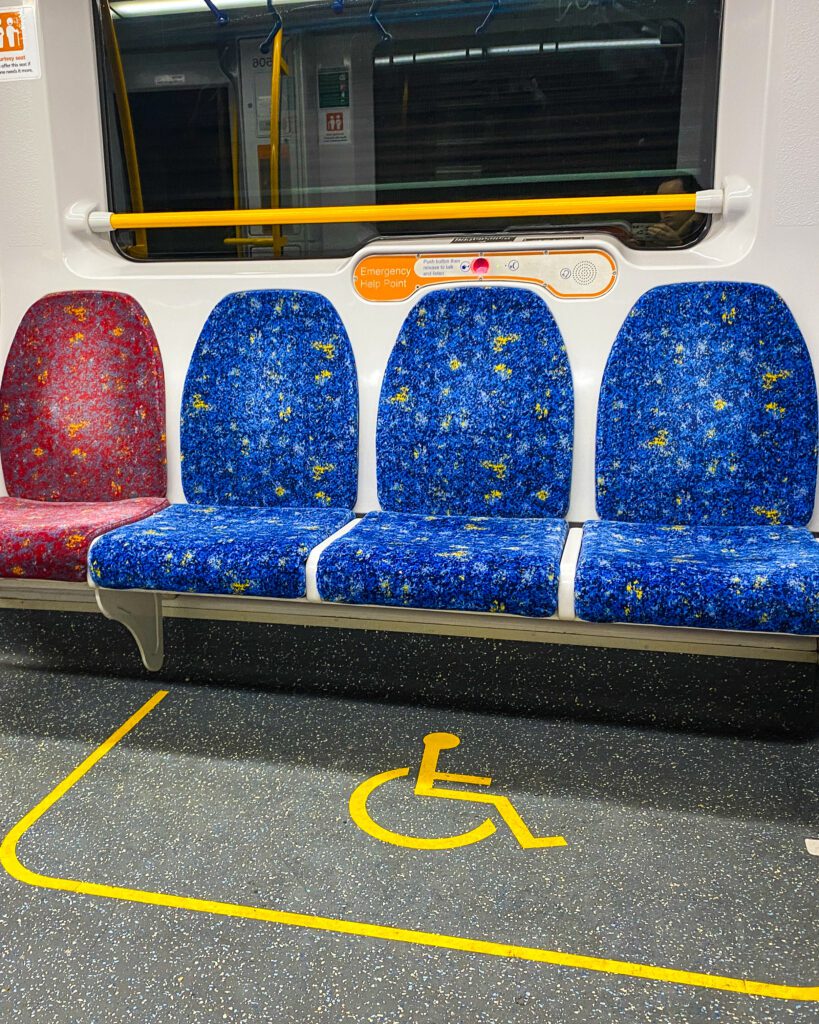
(684, 851)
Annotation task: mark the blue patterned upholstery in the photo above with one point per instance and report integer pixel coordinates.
(762, 578)
(476, 410)
(474, 462)
(706, 457)
(456, 562)
(269, 438)
(708, 411)
(227, 549)
(270, 407)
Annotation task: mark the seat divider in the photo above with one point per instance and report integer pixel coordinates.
(311, 566)
(568, 569)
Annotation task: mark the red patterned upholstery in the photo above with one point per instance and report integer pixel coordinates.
(82, 404)
(49, 540)
(82, 431)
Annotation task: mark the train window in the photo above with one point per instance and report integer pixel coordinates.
(402, 101)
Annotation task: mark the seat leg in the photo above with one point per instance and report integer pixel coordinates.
(140, 611)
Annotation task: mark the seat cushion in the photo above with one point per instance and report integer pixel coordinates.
(758, 578)
(447, 562)
(270, 406)
(707, 411)
(476, 414)
(49, 540)
(217, 549)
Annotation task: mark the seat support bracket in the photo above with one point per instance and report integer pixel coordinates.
(140, 611)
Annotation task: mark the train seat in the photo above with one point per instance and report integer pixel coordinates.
(82, 431)
(217, 549)
(464, 563)
(474, 451)
(269, 440)
(706, 467)
(49, 540)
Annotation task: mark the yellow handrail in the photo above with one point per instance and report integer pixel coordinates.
(126, 124)
(256, 241)
(590, 205)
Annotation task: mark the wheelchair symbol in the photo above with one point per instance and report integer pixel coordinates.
(428, 775)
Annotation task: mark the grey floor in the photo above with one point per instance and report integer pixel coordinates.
(684, 851)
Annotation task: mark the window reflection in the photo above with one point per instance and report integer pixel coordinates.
(547, 100)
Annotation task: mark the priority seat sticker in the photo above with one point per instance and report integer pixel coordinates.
(19, 46)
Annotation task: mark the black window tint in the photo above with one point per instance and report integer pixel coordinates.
(550, 98)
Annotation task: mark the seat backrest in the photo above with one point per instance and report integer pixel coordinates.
(707, 411)
(476, 413)
(82, 403)
(270, 406)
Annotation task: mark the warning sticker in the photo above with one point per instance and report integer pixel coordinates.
(335, 126)
(335, 113)
(19, 48)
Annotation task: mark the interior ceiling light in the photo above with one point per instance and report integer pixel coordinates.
(155, 8)
(610, 44)
(507, 51)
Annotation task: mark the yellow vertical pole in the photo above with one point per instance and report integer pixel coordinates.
(234, 156)
(279, 241)
(126, 124)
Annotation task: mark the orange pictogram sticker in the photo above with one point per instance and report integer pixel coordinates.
(11, 32)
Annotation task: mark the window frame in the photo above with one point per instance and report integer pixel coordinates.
(117, 187)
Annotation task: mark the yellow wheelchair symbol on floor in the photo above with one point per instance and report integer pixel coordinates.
(428, 775)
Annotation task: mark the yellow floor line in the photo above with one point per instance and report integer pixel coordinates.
(11, 863)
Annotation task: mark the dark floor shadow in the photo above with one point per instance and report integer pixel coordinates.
(645, 688)
(736, 776)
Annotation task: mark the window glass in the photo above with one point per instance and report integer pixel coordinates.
(403, 101)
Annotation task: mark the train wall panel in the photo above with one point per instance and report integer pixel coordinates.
(59, 162)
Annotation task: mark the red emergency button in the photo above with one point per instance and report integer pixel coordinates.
(480, 265)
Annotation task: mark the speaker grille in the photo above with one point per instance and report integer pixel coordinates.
(584, 272)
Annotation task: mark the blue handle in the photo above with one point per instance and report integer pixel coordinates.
(267, 45)
(386, 37)
(485, 23)
(221, 17)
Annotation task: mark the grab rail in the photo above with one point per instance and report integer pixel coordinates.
(710, 201)
(279, 240)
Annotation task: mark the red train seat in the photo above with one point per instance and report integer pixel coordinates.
(82, 431)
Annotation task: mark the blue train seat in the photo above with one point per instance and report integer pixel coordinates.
(706, 467)
(269, 440)
(474, 451)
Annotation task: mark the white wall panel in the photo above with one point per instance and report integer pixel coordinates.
(768, 132)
